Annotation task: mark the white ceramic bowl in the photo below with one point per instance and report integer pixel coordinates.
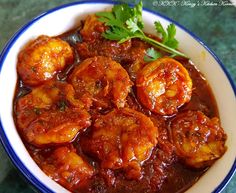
(59, 20)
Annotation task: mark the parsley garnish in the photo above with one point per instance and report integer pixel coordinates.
(168, 37)
(126, 23)
(151, 55)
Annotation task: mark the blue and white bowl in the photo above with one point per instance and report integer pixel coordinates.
(61, 19)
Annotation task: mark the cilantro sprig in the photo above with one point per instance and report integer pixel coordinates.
(168, 36)
(126, 23)
(152, 55)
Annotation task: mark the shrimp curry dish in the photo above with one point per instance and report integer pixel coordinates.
(108, 108)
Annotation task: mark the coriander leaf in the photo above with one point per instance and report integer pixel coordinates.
(171, 42)
(103, 20)
(106, 15)
(126, 23)
(159, 28)
(138, 14)
(115, 23)
(116, 34)
(168, 36)
(122, 12)
(171, 31)
(132, 25)
(109, 19)
(151, 55)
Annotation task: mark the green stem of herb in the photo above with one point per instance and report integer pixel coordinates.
(157, 45)
(162, 46)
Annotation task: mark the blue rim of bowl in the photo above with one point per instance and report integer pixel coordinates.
(6, 144)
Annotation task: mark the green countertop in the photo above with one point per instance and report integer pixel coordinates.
(214, 24)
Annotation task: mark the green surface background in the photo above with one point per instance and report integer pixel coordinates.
(215, 25)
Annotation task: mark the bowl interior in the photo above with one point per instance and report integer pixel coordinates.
(60, 20)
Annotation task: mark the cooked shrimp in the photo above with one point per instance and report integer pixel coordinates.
(42, 58)
(92, 29)
(54, 94)
(66, 167)
(163, 86)
(199, 141)
(56, 127)
(101, 80)
(123, 138)
(50, 114)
